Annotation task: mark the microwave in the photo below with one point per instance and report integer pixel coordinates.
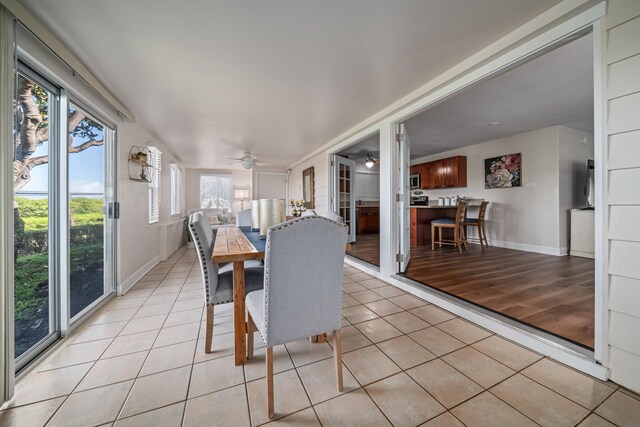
(414, 181)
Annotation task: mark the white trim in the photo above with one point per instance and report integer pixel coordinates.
(601, 325)
(519, 335)
(125, 285)
(547, 250)
(7, 357)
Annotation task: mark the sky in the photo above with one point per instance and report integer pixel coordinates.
(86, 169)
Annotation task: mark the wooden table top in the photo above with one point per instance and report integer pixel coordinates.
(232, 245)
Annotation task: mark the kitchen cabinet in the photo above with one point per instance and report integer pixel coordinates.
(444, 173)
(368, 220)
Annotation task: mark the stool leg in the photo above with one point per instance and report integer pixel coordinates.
(433, 237)
(440, 237)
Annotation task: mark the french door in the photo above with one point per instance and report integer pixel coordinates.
(63, 176)
(344, 197)
(404, 243)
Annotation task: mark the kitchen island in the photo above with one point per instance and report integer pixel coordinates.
(420, 220)
(421, 217)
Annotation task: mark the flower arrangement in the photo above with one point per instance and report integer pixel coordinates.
(503, 171)
(297, 207)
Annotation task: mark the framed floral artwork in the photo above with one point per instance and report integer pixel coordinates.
(503, 171)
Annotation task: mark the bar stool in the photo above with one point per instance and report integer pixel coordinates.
(457, 224)
(479, 222)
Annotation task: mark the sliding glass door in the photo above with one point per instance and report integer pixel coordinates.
(34, 183)
(89, 198)
(64, 194)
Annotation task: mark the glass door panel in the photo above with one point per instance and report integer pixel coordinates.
(344, 197)
(34, 218)
(87, 208)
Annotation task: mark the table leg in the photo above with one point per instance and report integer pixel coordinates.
(239, 322)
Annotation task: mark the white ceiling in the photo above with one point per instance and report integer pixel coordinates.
(360, 150)
(553, 89)
(279, 78)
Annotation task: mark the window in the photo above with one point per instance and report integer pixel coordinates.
(216, 191)
(155, 161)
(176, 184)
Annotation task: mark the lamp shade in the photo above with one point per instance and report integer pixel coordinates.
(241, 194)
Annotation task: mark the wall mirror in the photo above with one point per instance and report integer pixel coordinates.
(307, 187)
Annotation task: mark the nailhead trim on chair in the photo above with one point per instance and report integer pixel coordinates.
(272, 229)
(201, 258)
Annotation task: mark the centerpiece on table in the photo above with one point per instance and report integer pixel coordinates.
(297, 207)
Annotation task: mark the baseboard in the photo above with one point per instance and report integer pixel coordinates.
(547, 250)
(127, 284)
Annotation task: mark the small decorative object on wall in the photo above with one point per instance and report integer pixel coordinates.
(308, 190)
(297, 207)
(503, 171)
(138, 166)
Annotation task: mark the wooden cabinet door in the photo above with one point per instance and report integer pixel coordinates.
(449, 172)
(439, 174)
(426, 176)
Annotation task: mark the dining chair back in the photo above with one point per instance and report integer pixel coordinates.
(479, 223)
(302, 295)
(243, 218)
(456, 224)
(204, 238)
(217, 282)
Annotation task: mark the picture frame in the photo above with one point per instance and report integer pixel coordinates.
(503, 171)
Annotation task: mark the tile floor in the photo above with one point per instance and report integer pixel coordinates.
(141, 361)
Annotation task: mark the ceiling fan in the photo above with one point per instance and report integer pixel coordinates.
(369, 161)
(247, 160)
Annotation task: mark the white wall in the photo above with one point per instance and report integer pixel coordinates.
(321, 181)
(534, 216)
(623, 193)
(241, 180)
(367, 186)
(138, 241)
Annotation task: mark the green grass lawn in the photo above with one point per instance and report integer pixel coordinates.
(32, 270)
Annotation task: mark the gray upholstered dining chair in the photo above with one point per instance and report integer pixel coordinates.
(218, 282)
(302, 295)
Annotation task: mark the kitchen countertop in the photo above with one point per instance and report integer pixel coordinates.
(432, 207)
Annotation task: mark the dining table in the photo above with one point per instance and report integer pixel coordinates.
(237, 245)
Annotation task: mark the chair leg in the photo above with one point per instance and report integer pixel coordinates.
(337, 356)
(484, 235)
(464, 238)
(208, 342)
(456, 238)
(440, 237)
(433, 237)
(251, 328)
(269, 361)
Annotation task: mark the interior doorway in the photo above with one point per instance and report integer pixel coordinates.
(523, 142)
(357, 192)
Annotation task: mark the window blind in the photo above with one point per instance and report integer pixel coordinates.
(155, 161)
(176, 185)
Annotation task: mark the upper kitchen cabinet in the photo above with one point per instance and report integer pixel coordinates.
(444, 173)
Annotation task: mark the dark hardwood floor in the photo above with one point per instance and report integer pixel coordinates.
(555, 294)
(366, 248)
